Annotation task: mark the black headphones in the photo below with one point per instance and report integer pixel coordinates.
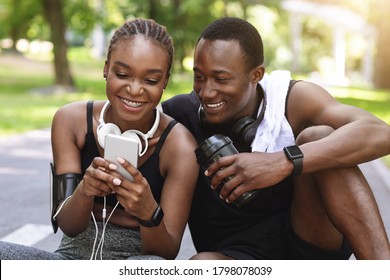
(243, 130)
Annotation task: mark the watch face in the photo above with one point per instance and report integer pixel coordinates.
(294, 152)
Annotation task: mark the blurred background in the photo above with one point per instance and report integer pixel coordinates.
(52, 52)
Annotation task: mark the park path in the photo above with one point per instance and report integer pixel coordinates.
(24, 185)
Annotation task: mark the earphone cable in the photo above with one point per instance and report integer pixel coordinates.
(59, 209)
(96, 235)
(105, 222)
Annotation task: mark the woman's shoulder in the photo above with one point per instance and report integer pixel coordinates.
(180, 136)
(72, 116)
(72, 109)
(178, 149)
(75, 110)
(70, 122)
(177, 129)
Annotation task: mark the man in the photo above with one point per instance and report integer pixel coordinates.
(299, 149)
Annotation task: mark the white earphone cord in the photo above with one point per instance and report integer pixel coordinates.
(95, 251)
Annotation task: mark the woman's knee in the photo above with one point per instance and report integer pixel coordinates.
(313, 133)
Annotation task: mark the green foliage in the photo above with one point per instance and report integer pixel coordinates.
(318, 44)
(185, 19)
(26, 100)
(81, 17)
(17, 16)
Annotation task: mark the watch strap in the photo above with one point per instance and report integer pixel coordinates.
(295, 155)
(155, 220)
(298, 166)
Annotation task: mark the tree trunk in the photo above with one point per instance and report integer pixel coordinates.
(53, 10)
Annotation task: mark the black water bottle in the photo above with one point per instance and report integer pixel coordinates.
(213, 148)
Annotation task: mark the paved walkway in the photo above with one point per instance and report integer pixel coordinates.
(24, 186)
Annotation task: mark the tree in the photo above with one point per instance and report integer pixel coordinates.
(53, 11)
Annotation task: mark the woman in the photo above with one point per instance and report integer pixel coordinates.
(153, 208)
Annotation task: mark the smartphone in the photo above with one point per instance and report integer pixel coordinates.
(118, 146)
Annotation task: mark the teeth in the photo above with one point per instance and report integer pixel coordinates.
(214, 105)
(132, 104)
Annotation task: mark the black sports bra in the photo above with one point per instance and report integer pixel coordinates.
(150, 168)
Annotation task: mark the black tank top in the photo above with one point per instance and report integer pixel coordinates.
(150, 168)
(212, 220)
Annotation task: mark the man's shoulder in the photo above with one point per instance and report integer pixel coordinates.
(182, 97)
(184, 108)
(181, 104)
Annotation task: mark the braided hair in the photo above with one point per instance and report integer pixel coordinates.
(148, 28)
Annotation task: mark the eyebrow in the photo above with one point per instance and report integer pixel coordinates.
(215, 72)
(120, 63)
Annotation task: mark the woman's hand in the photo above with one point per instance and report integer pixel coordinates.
(135, 196)
(98, 179)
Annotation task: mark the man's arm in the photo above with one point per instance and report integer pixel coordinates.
(358, 137)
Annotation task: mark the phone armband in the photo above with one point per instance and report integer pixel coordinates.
(61, 187)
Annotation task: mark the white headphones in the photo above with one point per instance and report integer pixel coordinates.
(109, 128)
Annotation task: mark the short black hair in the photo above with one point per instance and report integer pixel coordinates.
(236, 29)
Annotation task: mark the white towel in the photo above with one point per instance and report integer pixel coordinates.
(274, 132)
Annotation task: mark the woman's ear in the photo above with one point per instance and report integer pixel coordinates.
(258, 73)
(166, 81)
(105, 69)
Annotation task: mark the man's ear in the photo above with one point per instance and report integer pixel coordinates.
(258, 73)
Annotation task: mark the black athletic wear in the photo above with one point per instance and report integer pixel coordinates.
(260, 229)
(149, 169)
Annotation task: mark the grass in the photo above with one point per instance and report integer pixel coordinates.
(375, 101)
(27, 104)
(27, 101)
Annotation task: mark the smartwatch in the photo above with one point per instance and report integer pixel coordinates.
(295, 155)
(155, 220)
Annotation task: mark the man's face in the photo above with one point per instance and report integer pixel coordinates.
(222, 81)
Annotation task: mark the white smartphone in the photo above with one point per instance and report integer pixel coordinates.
(118, 146)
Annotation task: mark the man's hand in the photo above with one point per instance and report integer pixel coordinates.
(248, 171)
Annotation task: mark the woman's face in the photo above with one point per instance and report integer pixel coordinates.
(222, 81)
(137, 73)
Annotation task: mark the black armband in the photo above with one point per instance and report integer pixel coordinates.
(61, 187)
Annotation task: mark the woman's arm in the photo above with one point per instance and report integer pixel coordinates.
(179, 167)
(182, 170)
(69, 128)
